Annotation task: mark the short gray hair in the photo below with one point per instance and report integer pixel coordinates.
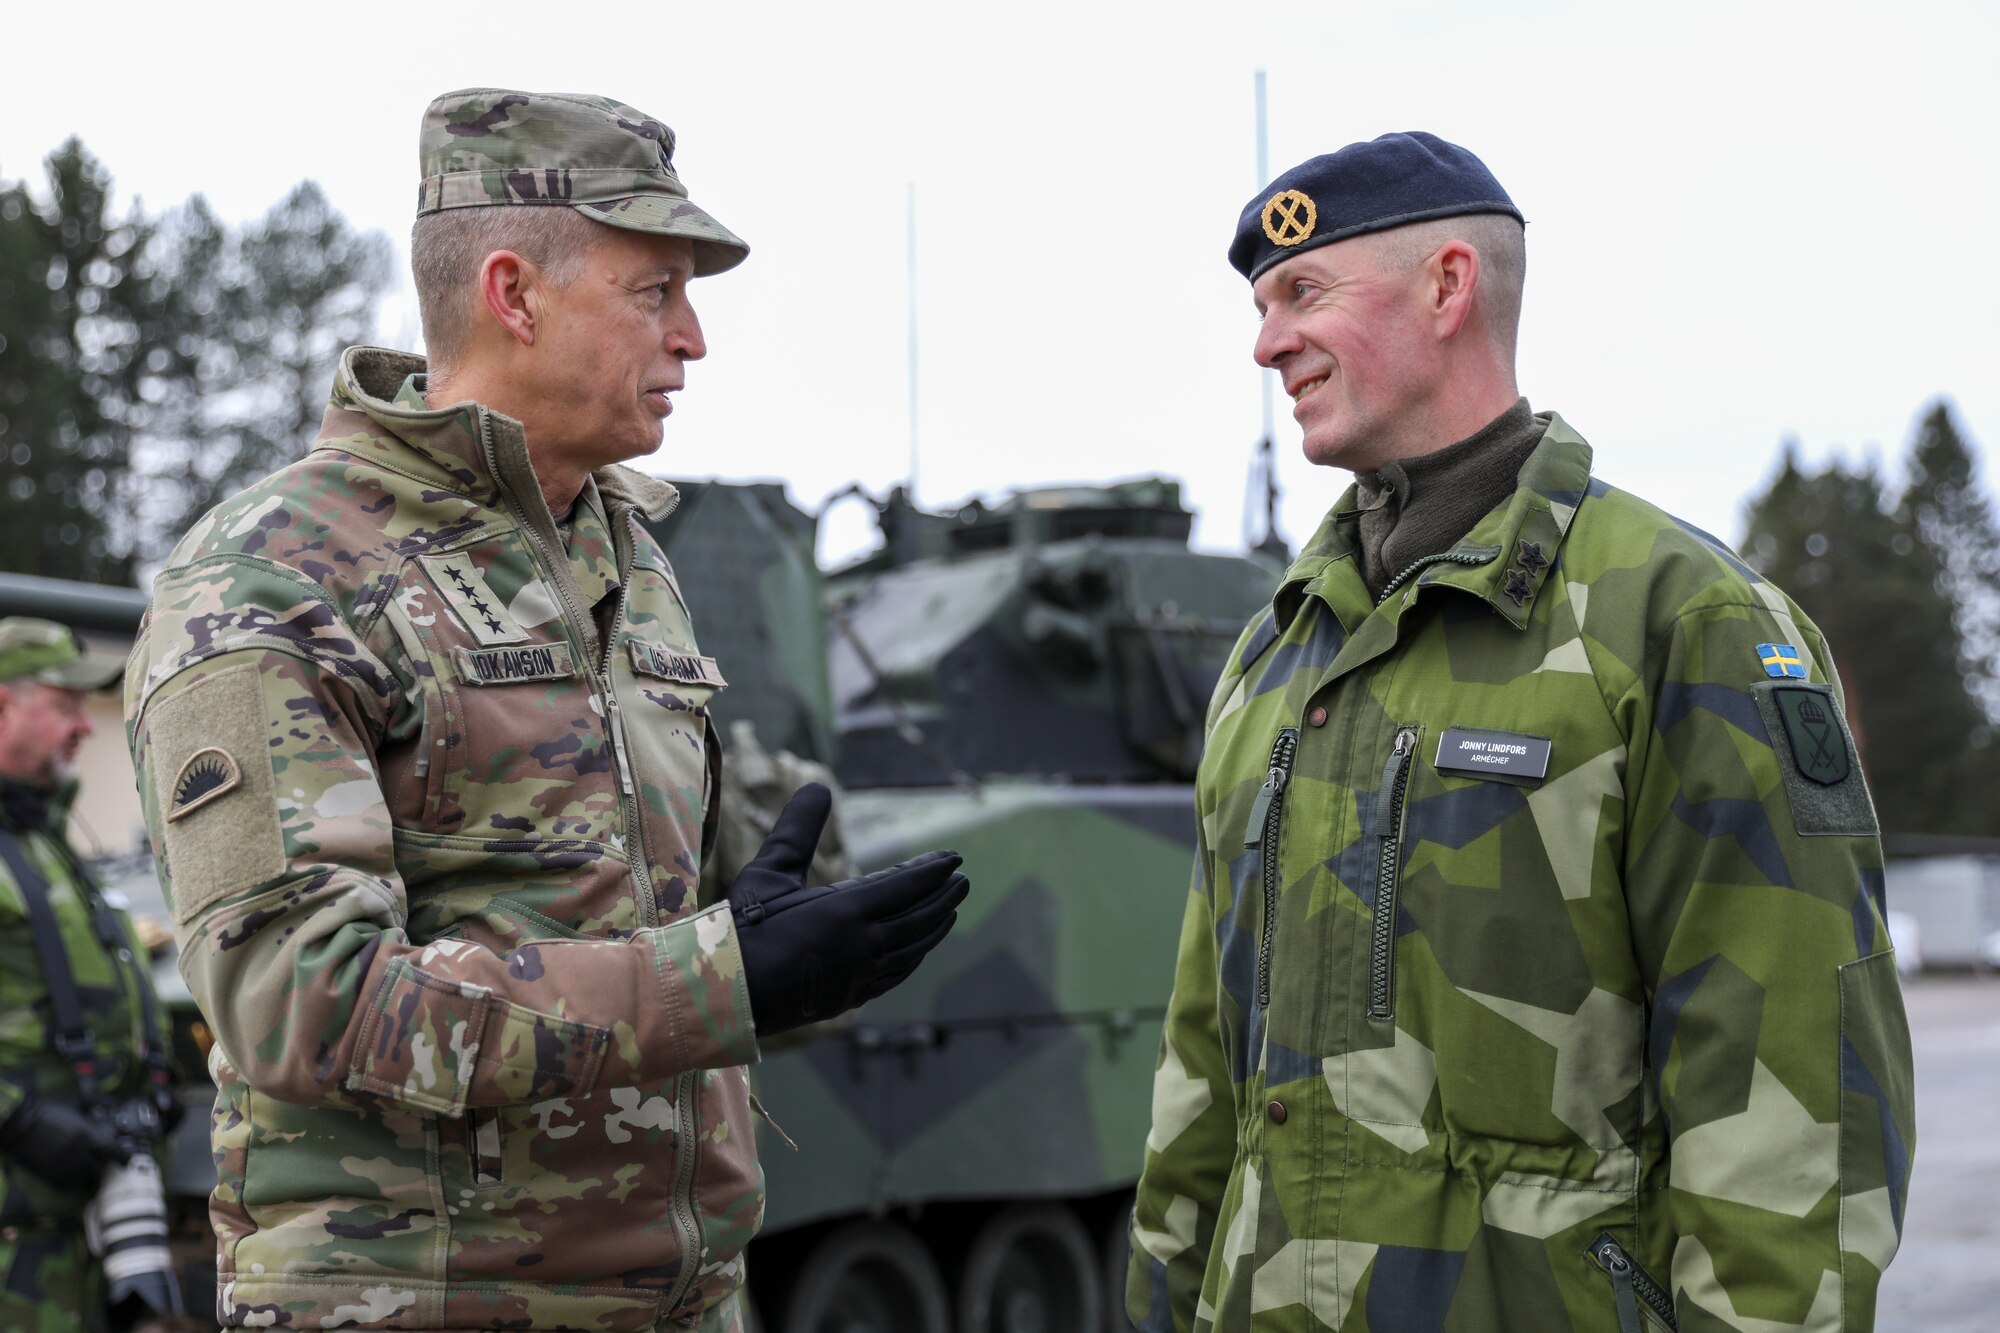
(447, 248)
(1503, 262)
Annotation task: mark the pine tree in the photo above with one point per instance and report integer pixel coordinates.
(1948, 508)
(69, 356)
(1855, 560)
(151, 367)
(260, 318)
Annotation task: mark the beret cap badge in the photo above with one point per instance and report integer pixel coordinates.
(1289, 217)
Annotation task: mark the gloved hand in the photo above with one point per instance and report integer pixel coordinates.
(60, 1143)
(812, 953)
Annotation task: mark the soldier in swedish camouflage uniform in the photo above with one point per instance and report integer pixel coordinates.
(53, 1150)
(1534, 975)
(421, 730)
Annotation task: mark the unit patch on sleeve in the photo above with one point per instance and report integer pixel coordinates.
(1497, 756)
(208, 775)
(476, 605)
(1816, 755)
(511, 666)
(1781, 660)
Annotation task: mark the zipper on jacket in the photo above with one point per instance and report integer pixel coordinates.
(614, 721)
(1266, 813)
(578, 617)
(685, 1147)
(1632, 1287)
(1443, 557)
(1382, 942)
(686, 1144)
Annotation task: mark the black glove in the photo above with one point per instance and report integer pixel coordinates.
(812, 953)
(61, 1143)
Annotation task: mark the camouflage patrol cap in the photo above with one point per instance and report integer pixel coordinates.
(42, 650)
(611, 162)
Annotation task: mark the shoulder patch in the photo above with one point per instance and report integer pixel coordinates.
(209, 774)
(1782, 660)
(1816, 755)
(208, 742)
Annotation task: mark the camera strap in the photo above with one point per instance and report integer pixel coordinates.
(71, 1036)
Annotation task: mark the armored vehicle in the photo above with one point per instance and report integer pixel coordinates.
(1024, 683)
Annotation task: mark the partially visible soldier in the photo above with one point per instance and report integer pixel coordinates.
(81, 1032)
(422, 732)
(1535, 975)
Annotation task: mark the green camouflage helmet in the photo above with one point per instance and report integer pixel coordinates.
(44, 651)
(609, 161)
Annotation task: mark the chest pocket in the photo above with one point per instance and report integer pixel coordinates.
(1502, 933)
(665, 684)
(506, 704)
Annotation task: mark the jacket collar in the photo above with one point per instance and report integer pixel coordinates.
(1504, 560)
(466, 448)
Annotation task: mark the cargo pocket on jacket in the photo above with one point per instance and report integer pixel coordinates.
(1877, 1128)
(427, 1042)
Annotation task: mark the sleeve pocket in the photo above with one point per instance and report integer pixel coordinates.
(439, 1046)
(1877, 1117)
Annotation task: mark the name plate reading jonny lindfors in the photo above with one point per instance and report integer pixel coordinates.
(514, 666)
(1497, 756)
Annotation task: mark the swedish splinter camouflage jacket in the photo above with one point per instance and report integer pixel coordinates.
(1534, 975)
(46, 1273)
(427, 780)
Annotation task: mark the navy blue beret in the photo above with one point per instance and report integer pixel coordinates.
(1387, 182)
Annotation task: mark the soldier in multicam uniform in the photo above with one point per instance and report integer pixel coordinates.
(55, 1067)
(1534, 975)
(421, 731)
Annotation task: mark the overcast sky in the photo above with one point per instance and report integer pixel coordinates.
(1746, 220)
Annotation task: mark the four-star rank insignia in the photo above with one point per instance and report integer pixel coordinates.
(208, 775)
(1781, 659)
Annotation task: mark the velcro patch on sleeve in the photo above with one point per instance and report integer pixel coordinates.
(663, 663)
(512, 666)
(1816, 754)
(218, 806)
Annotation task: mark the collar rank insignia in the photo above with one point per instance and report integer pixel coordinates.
(1518, 587)
(208, 775)
(1531, 557)
(1781, 659)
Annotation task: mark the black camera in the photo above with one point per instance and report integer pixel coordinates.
(126, 1224)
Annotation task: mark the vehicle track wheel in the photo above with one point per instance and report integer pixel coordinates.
(868, 1277)
(1030, 1269)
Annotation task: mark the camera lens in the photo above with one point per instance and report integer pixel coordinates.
(126, 1226)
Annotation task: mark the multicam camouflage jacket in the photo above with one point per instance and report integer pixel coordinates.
(428, 778)
(45, 1271)
(1534, 975)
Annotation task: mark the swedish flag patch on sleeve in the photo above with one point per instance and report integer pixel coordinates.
(1781, 659)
